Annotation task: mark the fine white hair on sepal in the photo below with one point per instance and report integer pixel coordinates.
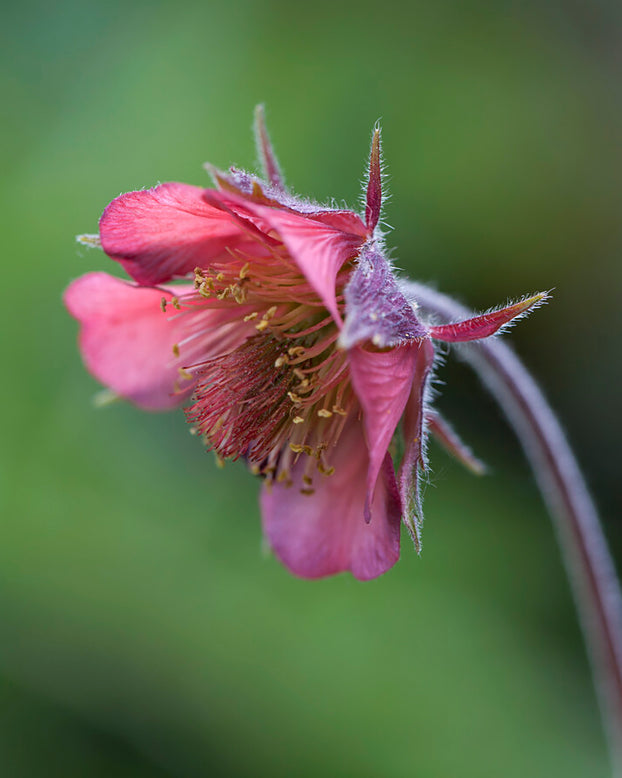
(537, 301)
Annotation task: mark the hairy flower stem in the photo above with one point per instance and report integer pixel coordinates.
(584, 548)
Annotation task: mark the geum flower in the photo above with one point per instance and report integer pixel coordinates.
(293, 342)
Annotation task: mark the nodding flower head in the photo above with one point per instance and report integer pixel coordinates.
(280, 323)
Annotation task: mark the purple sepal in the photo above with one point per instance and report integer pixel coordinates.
(376, 309)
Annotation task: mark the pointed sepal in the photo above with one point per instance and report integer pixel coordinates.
(373, 201)
(414, 426)
(266, 153)
(488, 323)
(445, 434)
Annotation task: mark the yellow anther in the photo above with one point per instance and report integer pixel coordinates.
(324, 413)
(296, 448)
(255, 469)
(220, 276)
(296, 351)
(307, 479)
(307, 492)
(163, 305)
(175, 303)
(250, 316)
(184, 374)
(297, 420)
(280, 361)
(298, 373)
(339, 411)
(263, 324)
(239, 294)
(283, 476)
(220, 462)
(270, 312)
(294, 398)
(176, 349)
(325, 470)
(244, 270)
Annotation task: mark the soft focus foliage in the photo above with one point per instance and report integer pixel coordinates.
(143, 631)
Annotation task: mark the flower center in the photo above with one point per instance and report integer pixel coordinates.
(285, 391)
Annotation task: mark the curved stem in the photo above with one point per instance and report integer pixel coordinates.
(584, 548)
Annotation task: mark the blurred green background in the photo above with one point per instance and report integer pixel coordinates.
(144, 632)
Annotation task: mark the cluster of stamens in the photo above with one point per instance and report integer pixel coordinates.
(284, 392)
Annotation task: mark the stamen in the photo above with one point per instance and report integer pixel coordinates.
(327, 471)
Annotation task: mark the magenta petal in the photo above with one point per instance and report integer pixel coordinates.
(382, 381)
(326, 533)
(126, 340)
(161, 233)
(318, 248)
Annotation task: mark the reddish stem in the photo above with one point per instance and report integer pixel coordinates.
(588, 561)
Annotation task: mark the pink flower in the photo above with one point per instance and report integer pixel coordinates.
(293, 342)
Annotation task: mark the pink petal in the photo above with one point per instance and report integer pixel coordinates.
(382, 381)
(320, 243)
(127, 340)
(326, 533)
(158, 234)
(414, 444)
(319, 251)
(488, 323)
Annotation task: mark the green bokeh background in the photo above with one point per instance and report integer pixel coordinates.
(144, 631)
